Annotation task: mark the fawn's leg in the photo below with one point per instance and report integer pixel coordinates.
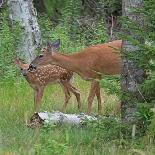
(98, 95)
(67, 95)
(91, 96)
(76, 93)
(38, 93)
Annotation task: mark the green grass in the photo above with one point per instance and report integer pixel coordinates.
(16, 107)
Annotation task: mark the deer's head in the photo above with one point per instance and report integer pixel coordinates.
(23, 67)
(45, 56)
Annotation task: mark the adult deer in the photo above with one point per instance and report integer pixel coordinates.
(38, 79)
(90, 63)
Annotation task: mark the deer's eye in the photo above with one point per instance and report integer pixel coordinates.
(30, 69)
(41, 55)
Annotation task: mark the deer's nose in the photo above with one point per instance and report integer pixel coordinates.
(32, 66)
(24, 74)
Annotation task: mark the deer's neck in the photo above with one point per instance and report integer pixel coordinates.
(65, 61)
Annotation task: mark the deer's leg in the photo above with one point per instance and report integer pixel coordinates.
(35, 99)
(98, 95)
(76, 93)
(91, 96)
(73, 90)
(67, 95)
(38, 93)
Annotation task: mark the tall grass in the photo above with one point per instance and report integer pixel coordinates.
(16, 106)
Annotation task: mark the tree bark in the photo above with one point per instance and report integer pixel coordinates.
(24, 12)
(132, 75)
(1, 3)
(57, 117)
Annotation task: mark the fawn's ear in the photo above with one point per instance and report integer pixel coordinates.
(16, 61)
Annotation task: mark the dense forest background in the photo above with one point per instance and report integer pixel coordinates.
(84, 25)
(80, 23)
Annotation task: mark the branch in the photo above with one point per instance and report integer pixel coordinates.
(112, 26)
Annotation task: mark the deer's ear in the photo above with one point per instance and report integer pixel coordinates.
(17, 61)
(55, 45)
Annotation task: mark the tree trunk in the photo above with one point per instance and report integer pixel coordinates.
(132, 75)
(1, 3)
(24, 12)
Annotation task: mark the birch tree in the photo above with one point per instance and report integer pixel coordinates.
(24, 12)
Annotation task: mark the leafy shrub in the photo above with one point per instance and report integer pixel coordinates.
(8, 45)
(151, 128)
(148, 88)
(50, 33)
(110, 129)
(111, 85)
(49, 145)
(144, 115)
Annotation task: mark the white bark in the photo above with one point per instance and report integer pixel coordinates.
(1, 3)
(24, 12)
(57, 117)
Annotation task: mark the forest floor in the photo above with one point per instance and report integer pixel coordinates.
(16, 108)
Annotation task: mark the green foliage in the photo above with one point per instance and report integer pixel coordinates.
(49, 145)
(17, 98)
(77, 29)
(50, 33)
(108, 129)
(80, 29)
(111, 6)
(111, 84)
(94, 33)
(51, 5)
(148, 58)
(8, 45)
(106, 136)
(144, 115)
(148, 88)
(145, 55)
(151, 128)
(142, 36)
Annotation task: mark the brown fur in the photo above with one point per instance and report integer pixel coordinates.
(90, 63)
(44, 75)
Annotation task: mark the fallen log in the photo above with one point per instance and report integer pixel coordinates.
(56, 117)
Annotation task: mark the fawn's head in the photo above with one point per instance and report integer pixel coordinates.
(45, 56)
(23, 67)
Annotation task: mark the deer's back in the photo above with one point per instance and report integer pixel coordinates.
(103, 58)
(48, 74)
